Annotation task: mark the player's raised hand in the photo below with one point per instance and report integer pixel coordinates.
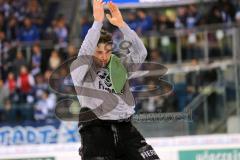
(98, 11)
(116, 17)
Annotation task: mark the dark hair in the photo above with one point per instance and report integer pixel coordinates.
(105, 37)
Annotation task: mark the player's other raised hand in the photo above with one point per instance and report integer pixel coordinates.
(98, 10)
(116, 17)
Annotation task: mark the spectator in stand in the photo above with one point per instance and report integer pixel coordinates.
(167, 49)
(54, 60)
(85, 25)
(171, 18)
(40, 86)
(154, 16)
(36, 59)
(2, 43)
(9, 112)
(164, 23)
(18, 8)
(47, 75)
(7, 55)
(192, 16)
(132, 20)
(5, 8)
(61, 31)
(228, 11)
(50, 32)
(2, 23)
(71, 51)
(25, 84)
(44, 107)
(4, 93)
(181, 19)
(18, 62)
(180, 91)
(29, 32)
(155, 56)
(215, 16)
(65, 79)
(12, 29)
(11, 84)
(34, 12)
(145, 22)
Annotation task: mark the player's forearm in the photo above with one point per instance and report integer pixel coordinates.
(90, 42)
(81, 65)
(138, 51)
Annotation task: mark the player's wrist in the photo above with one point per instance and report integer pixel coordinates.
(98, 20)
(121, 25)
(97, 24)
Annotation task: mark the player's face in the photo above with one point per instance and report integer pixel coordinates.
(103, 54)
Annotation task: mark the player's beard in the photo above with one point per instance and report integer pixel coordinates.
(100, 63)
(103, 64)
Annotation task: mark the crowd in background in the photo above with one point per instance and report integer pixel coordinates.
(190, 16)
(26, 64)
(155, 23)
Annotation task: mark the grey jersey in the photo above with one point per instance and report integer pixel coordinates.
(98, 92)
